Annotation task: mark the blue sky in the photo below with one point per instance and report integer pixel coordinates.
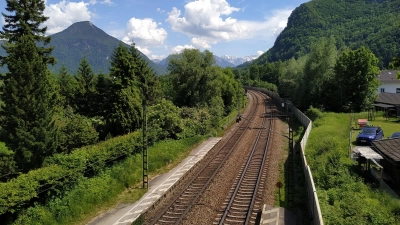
(162, 27)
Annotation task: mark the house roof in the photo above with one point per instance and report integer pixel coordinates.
(389, 148)
(367, 152)
(388, 98)
(388, 77)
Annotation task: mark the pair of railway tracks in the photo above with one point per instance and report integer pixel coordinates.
(244, 200)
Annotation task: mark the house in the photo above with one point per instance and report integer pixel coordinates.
(388, 102)
(388, 82)
(390, 150)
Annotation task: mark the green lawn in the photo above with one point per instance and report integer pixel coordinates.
(389, 126)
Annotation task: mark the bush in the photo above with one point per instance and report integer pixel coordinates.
(76, 132)
(313, 113)
(71, 206)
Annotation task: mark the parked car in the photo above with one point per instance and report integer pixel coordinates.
(395, 135)
(369, 134)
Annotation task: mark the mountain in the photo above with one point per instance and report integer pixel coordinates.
(222, 62)
(85, 39)
(353, 23)
(238, 60)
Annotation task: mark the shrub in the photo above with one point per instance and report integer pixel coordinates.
(313, 113)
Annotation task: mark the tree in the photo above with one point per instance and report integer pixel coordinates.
(67, 87)
(254, 72)
(317, 71)
(146, 78)
(28, 95)
(86, 88)
(192, 74)
(356, 79)
(395, 64)
(77, 131)
(230, 90)
(27, 20)
(125, 104)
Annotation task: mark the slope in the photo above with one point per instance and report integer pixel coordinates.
(372, 23)
(83, 39)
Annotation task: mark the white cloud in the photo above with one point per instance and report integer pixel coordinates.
(144, 32)
(208, 22)
(159, 57)
(144, 50)
(259, 53)
(180, 48)
(65, 13)
(202, 43)
(108, 2)
(160, 10)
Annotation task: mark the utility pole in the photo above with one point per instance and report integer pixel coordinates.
(145, 152)
(145, 155)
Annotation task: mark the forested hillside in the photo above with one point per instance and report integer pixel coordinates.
(353, 23)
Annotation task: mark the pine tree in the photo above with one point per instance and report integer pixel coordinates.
(28, 129)
(86, 88)
(125, 105)
(29, 95)
(146, 78)
(67, 85)
(27, 20)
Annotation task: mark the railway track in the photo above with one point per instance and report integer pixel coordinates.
(244, 201)
(183, 199)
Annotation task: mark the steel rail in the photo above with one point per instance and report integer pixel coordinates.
(174, 212)
(246, 181)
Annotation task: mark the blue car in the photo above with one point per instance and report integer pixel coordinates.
(395, 135)
(369, 134)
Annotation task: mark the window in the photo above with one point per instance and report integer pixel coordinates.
(382, 90)
(397, 90)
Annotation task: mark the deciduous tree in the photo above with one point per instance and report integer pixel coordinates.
(356, 77)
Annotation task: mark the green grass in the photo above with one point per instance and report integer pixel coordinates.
(389, 126)
(344, 196)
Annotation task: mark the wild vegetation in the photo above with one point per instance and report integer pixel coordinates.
(373, 24)
(345, 195)
(326, 78)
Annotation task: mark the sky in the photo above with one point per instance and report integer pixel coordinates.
(161, 27)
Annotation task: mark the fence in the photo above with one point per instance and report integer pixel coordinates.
(307, 123)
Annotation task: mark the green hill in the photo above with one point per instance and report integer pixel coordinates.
(372, 23)
(85, 39)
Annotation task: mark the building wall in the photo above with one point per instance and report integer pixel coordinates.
(392, 171)
(389, 88)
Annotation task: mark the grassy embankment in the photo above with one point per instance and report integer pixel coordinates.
(120, 184)
(345, 196)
